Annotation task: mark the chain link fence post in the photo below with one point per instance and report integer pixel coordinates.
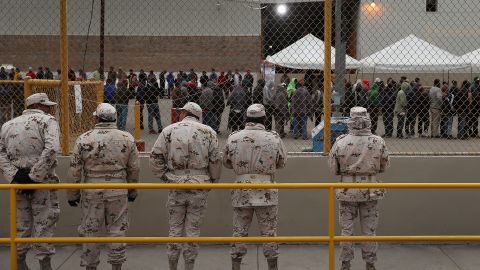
(327, 96)
(65, 91)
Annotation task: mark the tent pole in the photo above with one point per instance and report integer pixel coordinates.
(373, 76)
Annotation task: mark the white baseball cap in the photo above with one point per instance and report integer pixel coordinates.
(106, 112)
(193, 108)
(39, 98)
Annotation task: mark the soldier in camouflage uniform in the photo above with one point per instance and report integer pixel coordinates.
(255, 154)
(358, 157)
(104, 155)
(186, 152)
(28, 149)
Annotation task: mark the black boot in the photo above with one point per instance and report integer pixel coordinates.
(272, 264)
(22, 263)
(172, 264)
(370, 266)
(45, 264)
(236, 264)
(345, 265)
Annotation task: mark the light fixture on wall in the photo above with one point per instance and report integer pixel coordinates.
(373, 4)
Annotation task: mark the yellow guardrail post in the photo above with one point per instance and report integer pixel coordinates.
(100, 93)
(13, 229)
(327, 78)
(65, 90)
(27, 89)
(331, 228)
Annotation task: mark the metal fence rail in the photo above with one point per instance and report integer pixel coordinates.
(331, 238)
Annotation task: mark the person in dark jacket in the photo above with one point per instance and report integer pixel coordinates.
(207, 105)
(122, 98)
(162, 82)
(193, 92)
(281, 110)
(218, 105)
(446, 120)
(301, 99)
(203, 79)
(109, 92)
(388, 97)
(170, 83)
(257, 95)
(461, 104)
(412, 107)
(152, 92)
(239, 102)
(474, 108)
(349, 101)
(249, 81)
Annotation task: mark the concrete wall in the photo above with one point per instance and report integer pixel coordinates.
(304, 212)
(133, 18)
(453, 27)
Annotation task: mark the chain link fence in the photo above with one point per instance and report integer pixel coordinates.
(411, 63)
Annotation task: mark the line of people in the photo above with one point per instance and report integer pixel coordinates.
(185, 152)
(420, 111)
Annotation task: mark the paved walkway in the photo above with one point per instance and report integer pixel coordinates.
(293, 257)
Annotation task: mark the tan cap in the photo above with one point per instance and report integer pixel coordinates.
(106, 112)
(358, 112)
(256, 110)
(193, 108)
(39, 98)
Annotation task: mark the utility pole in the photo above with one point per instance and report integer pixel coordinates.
(340, 48)
(102, 37)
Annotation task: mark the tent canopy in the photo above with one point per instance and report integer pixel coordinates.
(307, 53)
(473, 58)
(413, 54)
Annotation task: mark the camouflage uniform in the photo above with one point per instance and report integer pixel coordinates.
(104, 155)
(32, 141)
(254, 154)
(186, 152)
(358, 157)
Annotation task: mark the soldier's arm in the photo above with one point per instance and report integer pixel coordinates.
(384, 158)
(282, 155)
(158, 162)
(214, 160)
(48, 158)
(6, 167)
(133, 166)
(332, 160)
(227, 162)
(76, 169)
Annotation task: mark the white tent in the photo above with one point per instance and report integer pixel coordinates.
(413, 54)
(307, 53)
(473, 58)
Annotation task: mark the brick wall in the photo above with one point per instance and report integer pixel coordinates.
(157, 53)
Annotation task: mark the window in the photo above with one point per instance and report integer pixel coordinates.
(431, 5)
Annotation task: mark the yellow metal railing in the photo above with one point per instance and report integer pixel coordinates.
(331, 238)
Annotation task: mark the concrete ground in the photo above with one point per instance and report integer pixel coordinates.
(292, 257)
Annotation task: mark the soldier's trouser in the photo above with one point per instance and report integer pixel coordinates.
(267, 217)
(111, 211)
(349, 211)
(36, 217)
(185, 214)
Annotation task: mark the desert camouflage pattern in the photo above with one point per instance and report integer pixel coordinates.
(42, 209)
(267, 217)
(186, 152)
(254, 151)
(186, 145)
(30, 141)
(186, 209)
(112, 212)
(368, 214)
(359, 154)
(104, 154)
